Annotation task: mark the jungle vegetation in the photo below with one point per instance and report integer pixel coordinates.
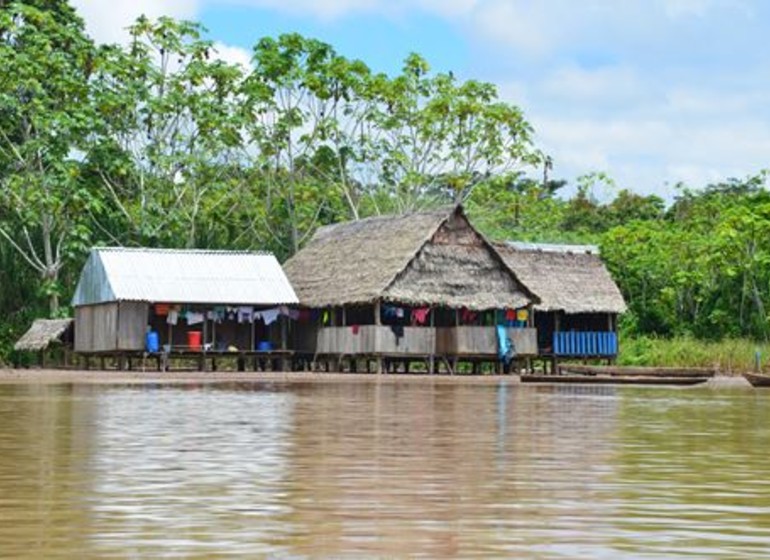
(158, 142)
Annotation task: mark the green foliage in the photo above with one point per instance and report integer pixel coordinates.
(728, 356)
(160, 143)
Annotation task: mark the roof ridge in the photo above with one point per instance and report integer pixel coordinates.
(121, 249)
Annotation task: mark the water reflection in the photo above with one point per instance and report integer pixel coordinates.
(364, 469)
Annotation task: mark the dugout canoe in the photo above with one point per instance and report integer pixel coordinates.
(635, 371)
(614, 379)
(757, 379)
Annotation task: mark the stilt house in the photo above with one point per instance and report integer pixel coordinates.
(193, 300)
(417, 287)
(577, 316)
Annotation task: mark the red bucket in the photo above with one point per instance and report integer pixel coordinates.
(194, 339)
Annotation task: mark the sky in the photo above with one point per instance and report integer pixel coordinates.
(651, 92)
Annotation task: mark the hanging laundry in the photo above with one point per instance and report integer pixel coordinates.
(245, 314)
(467, 315)
(399, 312)
(193, 317)
(325, 317)
(398, 331)
(294, 314)
(173, 317)
(390, 311)
(283, 310)
(270, 316)
(305, 315)
(522, 314)
(162, 309)
(510, 314)
(420, 315)
(355, 328)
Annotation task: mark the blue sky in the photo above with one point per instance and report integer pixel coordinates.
(652, 92)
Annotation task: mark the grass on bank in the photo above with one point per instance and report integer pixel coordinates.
(728, 356)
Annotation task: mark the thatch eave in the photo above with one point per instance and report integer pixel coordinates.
(42, 334)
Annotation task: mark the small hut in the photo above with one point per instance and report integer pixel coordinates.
(45, 336)
(579, 300)
(187, 301)
(411, 287)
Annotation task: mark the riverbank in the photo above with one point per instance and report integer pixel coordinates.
(182, 377)
(58, 376)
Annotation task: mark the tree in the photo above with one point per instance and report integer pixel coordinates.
(440, 138)
(171, 134)
(45, 115)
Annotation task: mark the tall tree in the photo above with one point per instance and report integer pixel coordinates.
(45, 115)
(170, 136)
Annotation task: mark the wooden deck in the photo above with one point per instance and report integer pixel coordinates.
(274, 360)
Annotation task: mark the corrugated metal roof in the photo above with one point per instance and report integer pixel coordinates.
(182, 276)
(554, 248)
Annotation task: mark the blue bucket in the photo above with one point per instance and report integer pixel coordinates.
(152, 342)
(264, 346)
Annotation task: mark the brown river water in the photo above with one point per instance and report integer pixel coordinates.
(361, 470)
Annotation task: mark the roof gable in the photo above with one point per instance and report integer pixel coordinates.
(182, 276)
(457, 267)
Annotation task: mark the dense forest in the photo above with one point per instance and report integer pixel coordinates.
(158, 142)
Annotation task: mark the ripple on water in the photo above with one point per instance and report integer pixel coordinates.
(367, 469)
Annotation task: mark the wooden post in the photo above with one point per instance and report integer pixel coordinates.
(556, 329)
(378, 322)
(284, 335)
(432, 359)
(344, 316)
(205, 330)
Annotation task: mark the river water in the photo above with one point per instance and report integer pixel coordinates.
(358, 469)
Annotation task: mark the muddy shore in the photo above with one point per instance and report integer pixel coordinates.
(53, 376)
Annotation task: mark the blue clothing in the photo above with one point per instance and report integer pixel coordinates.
(505, 349)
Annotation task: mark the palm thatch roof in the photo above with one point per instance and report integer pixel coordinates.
(573, 282)
(42, 334)
(433, 258)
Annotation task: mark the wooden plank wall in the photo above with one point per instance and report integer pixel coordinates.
(96, 328)
(132, 325)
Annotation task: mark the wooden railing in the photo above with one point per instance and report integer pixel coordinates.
(575, 343)
(376, 340)
(482, 341)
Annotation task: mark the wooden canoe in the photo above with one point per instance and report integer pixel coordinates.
(757, 379)
(635, 371)
(614, 379)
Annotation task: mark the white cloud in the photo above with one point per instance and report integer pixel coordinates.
(107, 21)
(608, 82)
(233, 55)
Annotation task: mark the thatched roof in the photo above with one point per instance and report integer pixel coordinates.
(431, 258)
(573, 282)
(42, 333)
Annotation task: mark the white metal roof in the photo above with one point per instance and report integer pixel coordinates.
(182, 276)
